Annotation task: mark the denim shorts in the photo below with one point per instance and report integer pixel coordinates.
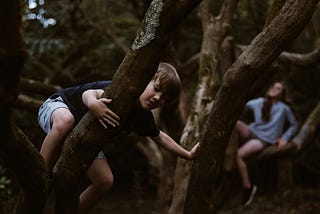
(45, 112)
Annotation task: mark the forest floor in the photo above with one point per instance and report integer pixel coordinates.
(132, 200)
(297, 200)
(134, 193)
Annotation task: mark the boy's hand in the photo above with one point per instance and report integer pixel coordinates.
(194, 151)
(104, 114)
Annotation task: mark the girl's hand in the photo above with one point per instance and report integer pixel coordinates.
(281, 143)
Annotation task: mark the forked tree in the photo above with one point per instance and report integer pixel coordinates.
(249, 68)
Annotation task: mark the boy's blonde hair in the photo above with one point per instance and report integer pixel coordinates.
(169, 81)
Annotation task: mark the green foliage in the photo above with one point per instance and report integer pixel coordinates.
(77, 48)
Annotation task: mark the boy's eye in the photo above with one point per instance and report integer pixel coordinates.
(156, 87)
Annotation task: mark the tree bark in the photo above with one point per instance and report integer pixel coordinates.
(305, 60)
(299, 59)
(308, 130)
(29, 86)
(17, 152)
(129, 81)
(232, 96)
(33, 86)
(307, 141)
(167, 114)
(215, 30)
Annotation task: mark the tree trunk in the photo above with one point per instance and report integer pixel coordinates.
(231, 99)
(215, 29)
(30, 170)
(129, 81)
(167, 114)
(17, 152)
(309, 128)
(307, 141)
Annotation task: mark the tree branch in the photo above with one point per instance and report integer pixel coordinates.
(299, 59)
(305, 60)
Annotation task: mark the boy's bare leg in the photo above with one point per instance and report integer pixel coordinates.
(62, 123)
(101, 177)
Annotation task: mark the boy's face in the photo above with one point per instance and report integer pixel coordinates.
(152, 97)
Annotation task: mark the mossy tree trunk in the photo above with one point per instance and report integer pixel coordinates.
(129, 81)
(232, 96)
(17, 152)
(216, 27)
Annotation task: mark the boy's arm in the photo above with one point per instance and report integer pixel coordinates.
(92, 98)
(169, 144)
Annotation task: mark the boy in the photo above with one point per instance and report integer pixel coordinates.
(64, 109)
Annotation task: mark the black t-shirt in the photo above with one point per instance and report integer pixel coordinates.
(139, 120)
(142, 122)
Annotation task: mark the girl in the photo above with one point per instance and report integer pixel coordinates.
(270, 114)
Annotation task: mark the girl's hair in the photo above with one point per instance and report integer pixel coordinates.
(266, 108)
(267, 103)
(169, 81)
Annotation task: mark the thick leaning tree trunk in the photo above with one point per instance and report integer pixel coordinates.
(215, 30)
(17, 152)
(232, 96)
(128, 83)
